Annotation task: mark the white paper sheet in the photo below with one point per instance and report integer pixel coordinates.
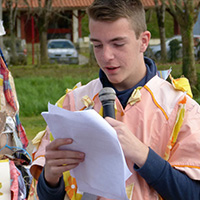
(104, 170)
(5, 180)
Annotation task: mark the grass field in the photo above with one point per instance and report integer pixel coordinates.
(36, 86)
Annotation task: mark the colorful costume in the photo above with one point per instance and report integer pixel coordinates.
(172, 128)
(14, 185)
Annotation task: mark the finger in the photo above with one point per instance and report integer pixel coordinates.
(55, 144)
(53, 173)
(58, 171)
(63, 162)
(109, 119)
(68, 167)
(112, 122)
(64, 154)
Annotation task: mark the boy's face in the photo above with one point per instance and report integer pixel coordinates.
(118, 52)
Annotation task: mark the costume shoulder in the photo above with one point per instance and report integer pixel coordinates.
(76, 98)
(164, 94)
(90, 89)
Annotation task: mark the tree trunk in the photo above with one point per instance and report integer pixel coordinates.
(186, 23)
(13, 50)
(43, 47)
(188, 67)
(185, 13)
(160, 12)
(43, 14)
(163, 44)
(12, 13)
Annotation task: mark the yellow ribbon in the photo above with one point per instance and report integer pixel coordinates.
(135, 96)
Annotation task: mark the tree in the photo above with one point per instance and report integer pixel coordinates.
(11, 6)
(186, 13)
(160, 12)
(42, 16)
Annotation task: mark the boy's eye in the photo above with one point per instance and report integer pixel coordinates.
(98, 45)
(119, 44)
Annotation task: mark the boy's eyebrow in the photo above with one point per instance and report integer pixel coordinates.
(112, 40)
(94, 40)
(118, 39)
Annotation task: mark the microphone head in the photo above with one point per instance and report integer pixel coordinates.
(107, 94)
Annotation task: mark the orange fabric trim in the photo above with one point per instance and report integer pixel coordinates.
(147, 88)
(33, 155)
(186, 166)
(83, 108)
(95, 96)
(39, 157)
(183, 101)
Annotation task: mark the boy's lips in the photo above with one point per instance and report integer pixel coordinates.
(111, 69)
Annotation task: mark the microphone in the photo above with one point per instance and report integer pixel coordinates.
(107, 97)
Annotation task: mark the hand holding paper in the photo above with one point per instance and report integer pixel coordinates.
(104, 170)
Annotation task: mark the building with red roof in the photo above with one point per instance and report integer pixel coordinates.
(74, 10)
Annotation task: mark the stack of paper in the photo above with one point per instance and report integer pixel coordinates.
(104, 170)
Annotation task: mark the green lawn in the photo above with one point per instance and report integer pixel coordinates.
(33, 125)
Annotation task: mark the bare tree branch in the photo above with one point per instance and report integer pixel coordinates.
(176, 6)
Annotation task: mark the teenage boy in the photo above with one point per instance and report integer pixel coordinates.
(158, 127)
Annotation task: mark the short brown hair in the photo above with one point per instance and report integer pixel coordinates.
(111, 10)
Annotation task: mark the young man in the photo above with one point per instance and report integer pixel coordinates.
(158, 132)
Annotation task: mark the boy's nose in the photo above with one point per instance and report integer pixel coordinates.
(107, 53)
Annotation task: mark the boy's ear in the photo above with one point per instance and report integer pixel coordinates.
(145, 38)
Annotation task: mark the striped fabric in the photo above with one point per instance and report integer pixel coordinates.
(11, 100)
(21, 132)
(6, 85)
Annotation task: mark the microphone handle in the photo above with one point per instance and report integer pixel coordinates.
(108, 109)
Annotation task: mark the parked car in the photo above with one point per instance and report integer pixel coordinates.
(62, 51)
(20, 49)
(154, 51)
